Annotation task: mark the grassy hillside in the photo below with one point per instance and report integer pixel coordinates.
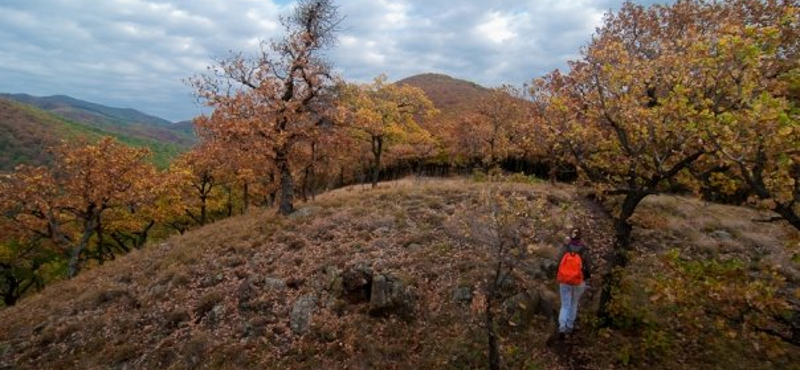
(264, 292)
(26, 132)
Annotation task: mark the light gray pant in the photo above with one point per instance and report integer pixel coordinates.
(570, 295)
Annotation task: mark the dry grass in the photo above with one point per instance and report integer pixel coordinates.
(203, 295)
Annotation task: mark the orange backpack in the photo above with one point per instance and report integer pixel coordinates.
(570, 270)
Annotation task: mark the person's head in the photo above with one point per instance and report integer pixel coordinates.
(575, 234)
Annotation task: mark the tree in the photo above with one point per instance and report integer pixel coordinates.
(758, 142)
(494, 131)
(95, 179)
(75, 207)
(279, 97)
(502, 224)
(550, 135)
(650, 94)
(382, 114)
(29, 225)
(199, 172)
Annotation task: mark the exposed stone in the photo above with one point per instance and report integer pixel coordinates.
(721, 234)
(273, 283)
(300, 318)
(245, 293)
(389, 296)
(547, 268)
(304, 212)
(211, 280)
(333, 280)
(518, 310)
(357, 283)
(548, 304)
(463, 294)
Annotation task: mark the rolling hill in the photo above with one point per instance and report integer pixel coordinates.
(448, 94)
(26, 132)
(391, 279)
(124, 121)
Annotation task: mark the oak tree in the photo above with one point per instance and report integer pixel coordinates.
(278, 97)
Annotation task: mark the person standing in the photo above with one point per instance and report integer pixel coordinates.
(574, 268)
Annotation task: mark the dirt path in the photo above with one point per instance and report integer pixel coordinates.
(598, 230)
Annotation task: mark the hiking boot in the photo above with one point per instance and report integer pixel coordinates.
(562, 335)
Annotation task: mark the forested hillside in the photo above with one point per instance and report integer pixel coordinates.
(28, 133)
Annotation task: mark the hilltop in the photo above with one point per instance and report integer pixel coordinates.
(448, 94)
(388, 278)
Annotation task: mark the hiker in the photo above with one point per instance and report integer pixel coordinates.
(574, 268)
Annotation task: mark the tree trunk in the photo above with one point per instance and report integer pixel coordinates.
(203, 211)
(88, 230)
(620, 255)
(494, 350)
(788, 214)
(246, 200)
(377, 150)
(11, 288)
(286, 202)
(229, 205)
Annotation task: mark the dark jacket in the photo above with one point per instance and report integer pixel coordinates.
(577, 246)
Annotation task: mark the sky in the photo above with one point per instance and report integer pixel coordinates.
(138, 53)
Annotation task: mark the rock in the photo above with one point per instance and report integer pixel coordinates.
(304, 212)
(300, 318)
(245, 293)
(357, 283)
(549, 304)
(547, 269)
(255, 328)
(333, 280)
(518, 310)
(273, 283)
(389, 296)
(463, 294)
(209, 281)
(721, 235)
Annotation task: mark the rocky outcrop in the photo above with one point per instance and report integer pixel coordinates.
(385, 294)
(390, 296)
(300, 318)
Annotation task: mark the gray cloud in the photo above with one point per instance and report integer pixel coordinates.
(135, 53)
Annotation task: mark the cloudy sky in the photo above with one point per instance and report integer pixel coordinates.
(136, 53)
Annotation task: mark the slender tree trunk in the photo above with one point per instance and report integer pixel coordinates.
(10, 293)
(143, 235)
(88, 230)
(377, 150)
(494, 350)
(286, 202)
(229, 205)
(10, 299)
(788, 214)
(246, 191)
(203, 210)
(620, 255)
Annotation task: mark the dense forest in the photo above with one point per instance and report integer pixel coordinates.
(697, 98)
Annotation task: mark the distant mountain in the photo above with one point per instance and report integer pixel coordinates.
(27, 131)
(124, 121)
(448, 94)
(186, 127)
(83, 111)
